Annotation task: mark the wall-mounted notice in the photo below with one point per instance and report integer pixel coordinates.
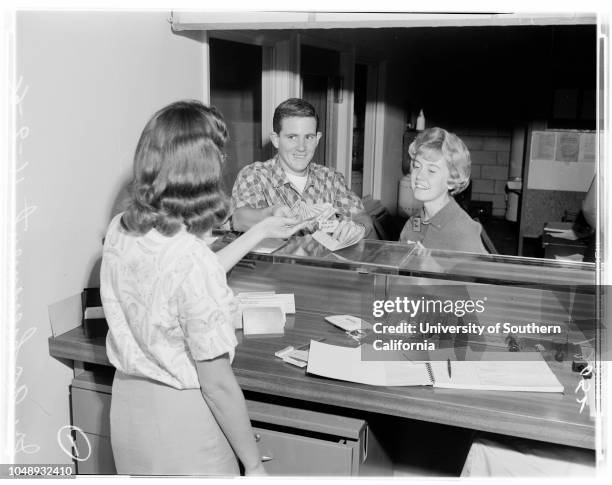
(561, 160)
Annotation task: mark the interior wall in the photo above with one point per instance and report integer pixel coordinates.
(392, 139)
(93, 79)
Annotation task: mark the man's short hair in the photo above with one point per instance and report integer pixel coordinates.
(293, 108)
(451, 148)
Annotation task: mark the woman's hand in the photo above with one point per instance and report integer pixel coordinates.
(277, 226)
(258, 471)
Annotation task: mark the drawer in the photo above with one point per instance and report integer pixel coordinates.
(91, 411)
(100, 460)
(291, 454)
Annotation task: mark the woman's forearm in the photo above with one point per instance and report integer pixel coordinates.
(246, 217)
(226, 401)
(235, 251)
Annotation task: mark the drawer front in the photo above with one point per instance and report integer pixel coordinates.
(91, 411)
(100, 460)
(289, 454)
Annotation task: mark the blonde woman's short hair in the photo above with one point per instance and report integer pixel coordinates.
(451, 148)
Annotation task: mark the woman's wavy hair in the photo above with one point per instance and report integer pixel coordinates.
(177, 172)
(451, 148)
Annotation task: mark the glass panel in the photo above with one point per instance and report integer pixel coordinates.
(388, 257)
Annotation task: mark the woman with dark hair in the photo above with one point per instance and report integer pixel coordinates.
(176, 407)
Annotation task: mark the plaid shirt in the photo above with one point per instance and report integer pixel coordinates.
(264, 184)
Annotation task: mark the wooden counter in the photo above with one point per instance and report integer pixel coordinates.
(553, 418)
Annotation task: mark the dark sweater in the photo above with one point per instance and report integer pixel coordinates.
(450, 229)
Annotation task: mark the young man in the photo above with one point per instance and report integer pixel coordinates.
(275, 186)
(440, 168)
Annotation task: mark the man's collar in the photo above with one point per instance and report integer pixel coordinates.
(279, 176)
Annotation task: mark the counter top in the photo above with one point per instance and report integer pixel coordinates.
(554, 418)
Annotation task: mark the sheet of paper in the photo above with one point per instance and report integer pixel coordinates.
(263, 321)
(345, 363)
(561, 160)
(348, 323)
(568, 234)
(65, 314)
(285, 300)
(94, 312)
(526, 372)
(577, 258)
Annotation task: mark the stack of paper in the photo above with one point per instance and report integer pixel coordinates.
(263, 321)
(293, 356)
(269, 300)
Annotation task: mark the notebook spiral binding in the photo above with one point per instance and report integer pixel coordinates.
(430, 372)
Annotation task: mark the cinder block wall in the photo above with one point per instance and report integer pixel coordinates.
(490, 153)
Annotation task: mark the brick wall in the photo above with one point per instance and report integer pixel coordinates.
(490, 153)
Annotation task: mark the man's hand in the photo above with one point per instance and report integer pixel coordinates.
(282, 211)
(344, 229)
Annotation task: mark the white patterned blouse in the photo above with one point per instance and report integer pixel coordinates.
(167, 305)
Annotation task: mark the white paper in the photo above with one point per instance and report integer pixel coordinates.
(263, 321)
(561, 160)
(345, 363)
(525, 372)
(94, 312)
(65, 314)
(284, 300)
(568, 234)
(348, 323)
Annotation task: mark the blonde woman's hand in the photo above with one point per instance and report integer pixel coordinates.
(281, 227)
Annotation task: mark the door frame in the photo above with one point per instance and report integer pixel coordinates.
(281, 79)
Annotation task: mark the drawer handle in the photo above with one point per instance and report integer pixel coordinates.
(266, 458)
(257, 437)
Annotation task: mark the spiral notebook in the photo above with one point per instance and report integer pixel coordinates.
(500, 372)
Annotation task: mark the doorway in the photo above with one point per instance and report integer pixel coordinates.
(319, 69)
(235, 90)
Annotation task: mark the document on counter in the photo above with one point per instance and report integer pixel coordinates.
(348, 323)
(263, 321)
(256, 299)
(345, 364)
(524, 372)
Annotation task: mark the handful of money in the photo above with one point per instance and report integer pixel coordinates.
(322, 216)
